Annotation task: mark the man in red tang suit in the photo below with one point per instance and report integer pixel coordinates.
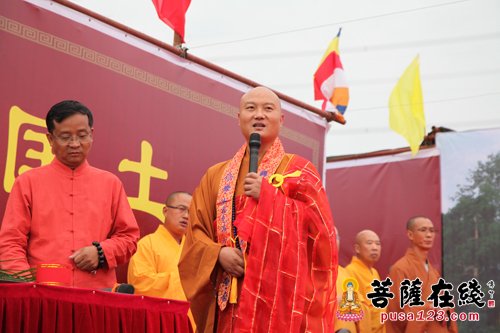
(260, 254)
(69, 213)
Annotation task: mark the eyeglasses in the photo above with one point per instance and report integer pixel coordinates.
(66, 139)
(181, 208)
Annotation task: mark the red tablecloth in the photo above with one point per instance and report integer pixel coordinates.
(27, 307)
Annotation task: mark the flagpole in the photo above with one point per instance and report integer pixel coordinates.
(334, 116)
(177, 40)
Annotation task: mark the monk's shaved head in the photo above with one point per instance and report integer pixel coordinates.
(173, 195)
(420, 232)
(410, 224)
(362, 235)
(367, 247)
(261, 91)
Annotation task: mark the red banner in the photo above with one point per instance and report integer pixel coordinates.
(381, 194)
(160, 120)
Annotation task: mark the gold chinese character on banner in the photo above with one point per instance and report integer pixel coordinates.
(18, 118)
(146, 171)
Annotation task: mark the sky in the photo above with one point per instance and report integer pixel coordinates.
(456, 171)
(279, 44)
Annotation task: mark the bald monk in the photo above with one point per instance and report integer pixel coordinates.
(153, 268)
(415, 264)
(362, 326)
(367, 249)
(260, 253)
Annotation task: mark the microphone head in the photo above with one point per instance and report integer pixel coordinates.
(254, 141)
(125, 288)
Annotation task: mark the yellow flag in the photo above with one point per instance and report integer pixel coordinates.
(406, 107)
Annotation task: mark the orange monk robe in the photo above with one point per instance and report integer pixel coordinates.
(53, 211)
(365, 276)
(410, 267)
(362, 326)
(153, 268)
(267, 285)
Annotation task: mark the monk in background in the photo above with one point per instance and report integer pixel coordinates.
(342, 326)
(415, 264)
(367, 249)
(153, 268)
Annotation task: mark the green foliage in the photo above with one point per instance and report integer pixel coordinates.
(471, 240)
(19, 276)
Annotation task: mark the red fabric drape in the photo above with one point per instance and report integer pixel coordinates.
(291, 269)
(40, 308)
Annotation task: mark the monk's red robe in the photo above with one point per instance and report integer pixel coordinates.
(289, 282)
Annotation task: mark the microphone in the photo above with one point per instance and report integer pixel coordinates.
(122, 288)
(254, 143)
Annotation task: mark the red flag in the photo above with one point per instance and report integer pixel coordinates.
(173, 13)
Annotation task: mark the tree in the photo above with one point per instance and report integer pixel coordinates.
(471, 238)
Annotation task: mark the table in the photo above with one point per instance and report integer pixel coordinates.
(29, 307)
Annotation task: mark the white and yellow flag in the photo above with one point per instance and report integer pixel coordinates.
(406, 107)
